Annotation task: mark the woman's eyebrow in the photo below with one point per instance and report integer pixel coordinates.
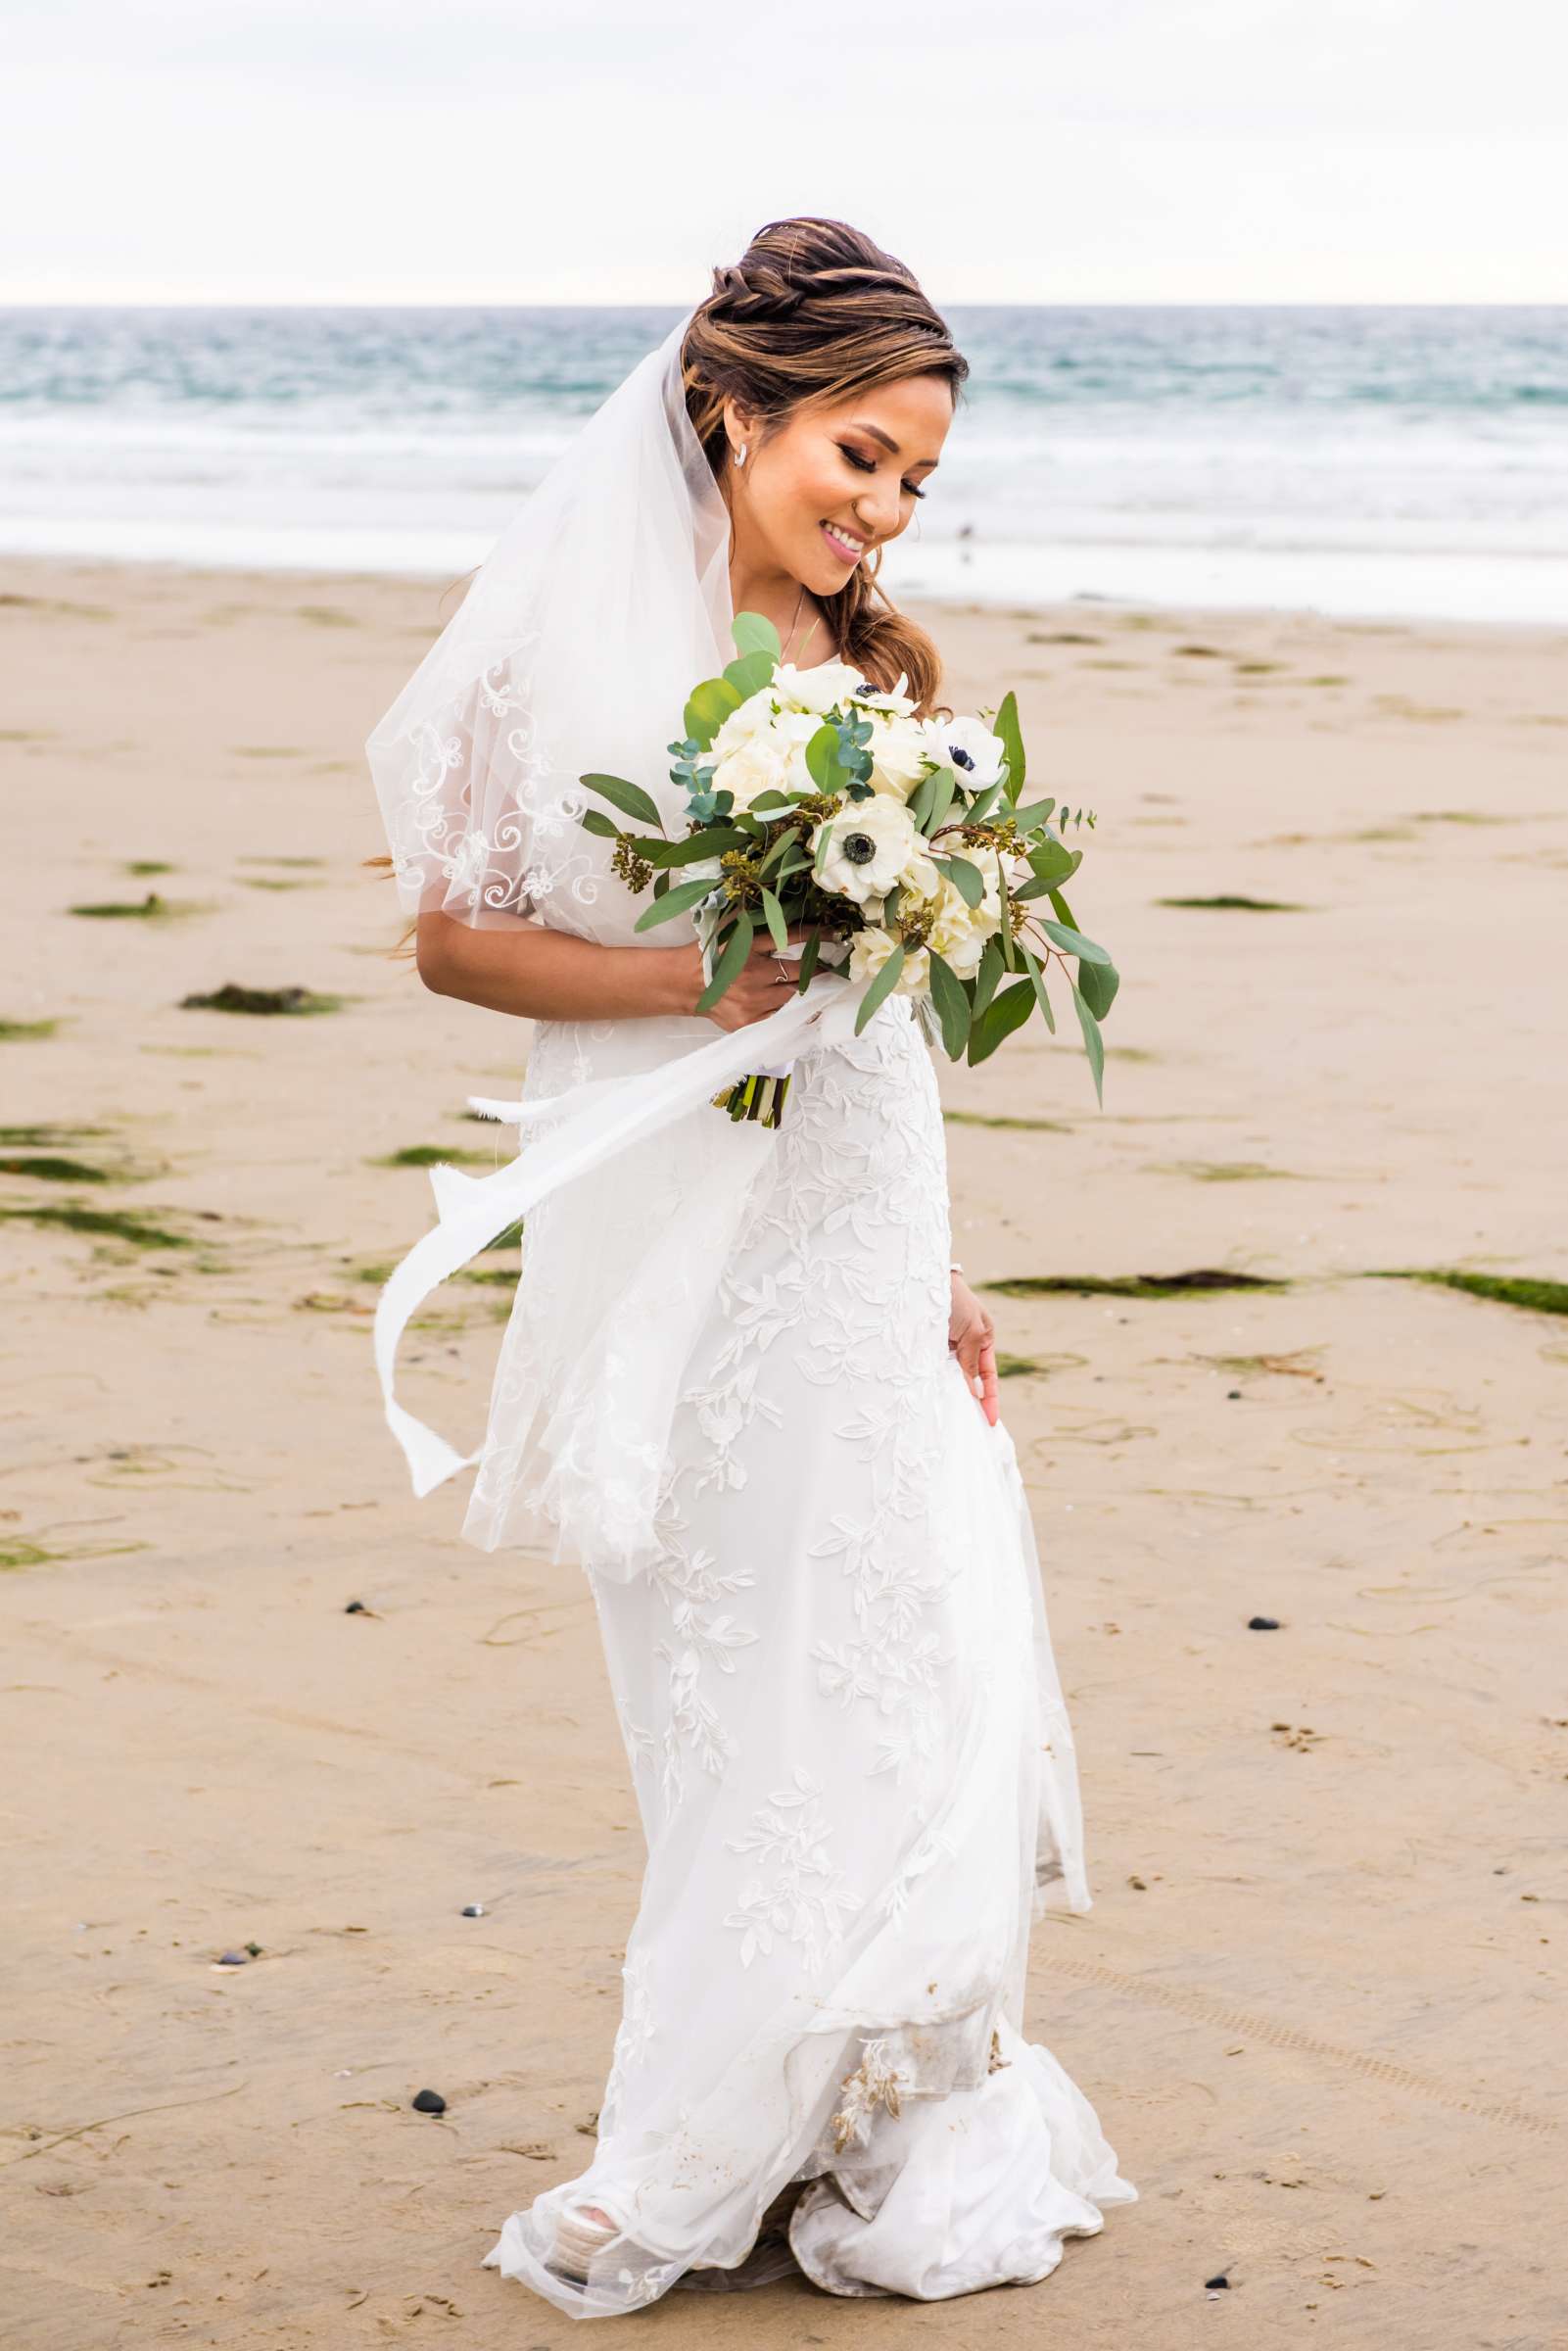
(875, 432)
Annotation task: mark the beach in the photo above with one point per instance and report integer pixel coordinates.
(257, 1696)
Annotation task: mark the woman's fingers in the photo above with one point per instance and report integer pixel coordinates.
(990, 1393)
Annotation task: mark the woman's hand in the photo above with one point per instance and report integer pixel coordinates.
(972, 1337)
(762, 985)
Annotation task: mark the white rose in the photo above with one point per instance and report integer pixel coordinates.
(900, 755)
(869, 842)
(753, 718)
(967, 746)
(919, 876)
(754, 768)
(871, 950)
(830, 685)
(959, 932)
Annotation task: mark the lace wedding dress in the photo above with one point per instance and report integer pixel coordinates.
(845, 1728)
(724, 1391)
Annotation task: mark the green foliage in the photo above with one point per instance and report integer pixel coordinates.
(950, 1001)
(708, 709)
(630, 799)
(1009, 734)
(881, 987)
(753, 634)
(1093, 1044)
(674, 901)
(749, 674)
(1005, 1013)
(737, 948)
(966, 877)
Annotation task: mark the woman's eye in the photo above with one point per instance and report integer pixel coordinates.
(869, 466)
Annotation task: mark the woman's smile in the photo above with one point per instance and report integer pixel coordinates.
(845, 544)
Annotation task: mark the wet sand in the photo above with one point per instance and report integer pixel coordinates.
(1313, 2000)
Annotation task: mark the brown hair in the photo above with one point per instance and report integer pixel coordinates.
(813, 310)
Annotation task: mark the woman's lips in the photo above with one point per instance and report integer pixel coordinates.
(840, 547)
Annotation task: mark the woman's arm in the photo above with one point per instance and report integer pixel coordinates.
(543, 974)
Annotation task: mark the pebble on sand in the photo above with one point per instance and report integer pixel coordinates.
(1262, 1624)
(429, 2101)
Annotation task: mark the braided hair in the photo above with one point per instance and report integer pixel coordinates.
(814, 310)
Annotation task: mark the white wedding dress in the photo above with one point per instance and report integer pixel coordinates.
(726, 1392)
(842, 1713)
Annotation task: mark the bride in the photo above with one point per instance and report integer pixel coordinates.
(744, 1384)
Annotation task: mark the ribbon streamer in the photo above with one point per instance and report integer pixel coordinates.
(599, 1119)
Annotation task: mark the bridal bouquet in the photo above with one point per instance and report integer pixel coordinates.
(902, 845)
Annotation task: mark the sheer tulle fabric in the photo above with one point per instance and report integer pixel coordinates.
(598, 610)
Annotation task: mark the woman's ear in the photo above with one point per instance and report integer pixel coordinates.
(739, 427)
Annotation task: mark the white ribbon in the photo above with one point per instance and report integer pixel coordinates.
(597, 1121)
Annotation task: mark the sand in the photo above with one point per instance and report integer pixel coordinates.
(1313, 2000)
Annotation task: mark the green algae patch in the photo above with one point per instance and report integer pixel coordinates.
(13, 1032)
(978, 1118)
(143, 867)
(262, 1001)
(432, 1155)
(1232, 901)
(1129, 1285)
(48, 1166)
(1532, 1291)
(108, 1224)
(154, 908)
(1225, 1170)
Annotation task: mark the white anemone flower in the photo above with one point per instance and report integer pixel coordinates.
(967, 746)
(869, 845)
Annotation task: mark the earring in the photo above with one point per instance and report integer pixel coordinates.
(741, 455)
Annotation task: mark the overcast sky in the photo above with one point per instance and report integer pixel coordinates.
(517, 151)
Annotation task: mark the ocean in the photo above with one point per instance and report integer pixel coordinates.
(1390, 462)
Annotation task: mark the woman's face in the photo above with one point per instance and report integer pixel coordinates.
(831, 483)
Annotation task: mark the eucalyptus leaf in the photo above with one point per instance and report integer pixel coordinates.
(1073, 942)
(750, 672)
(773, 915)
(882, 986)
(952, 1005)
(822, 759)
(709, 706)
(674, 901)
(945, 784)
(630, 799)
(737, 948)
(1032, 965)
(1034, 814)
(707, 843)
(986, 977)
(1097, 985)
(753, 634)
(1005, 1013)
(967, 879)
(808, 961)
(1093, 1044)
(595, 820)
(1008, 733)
